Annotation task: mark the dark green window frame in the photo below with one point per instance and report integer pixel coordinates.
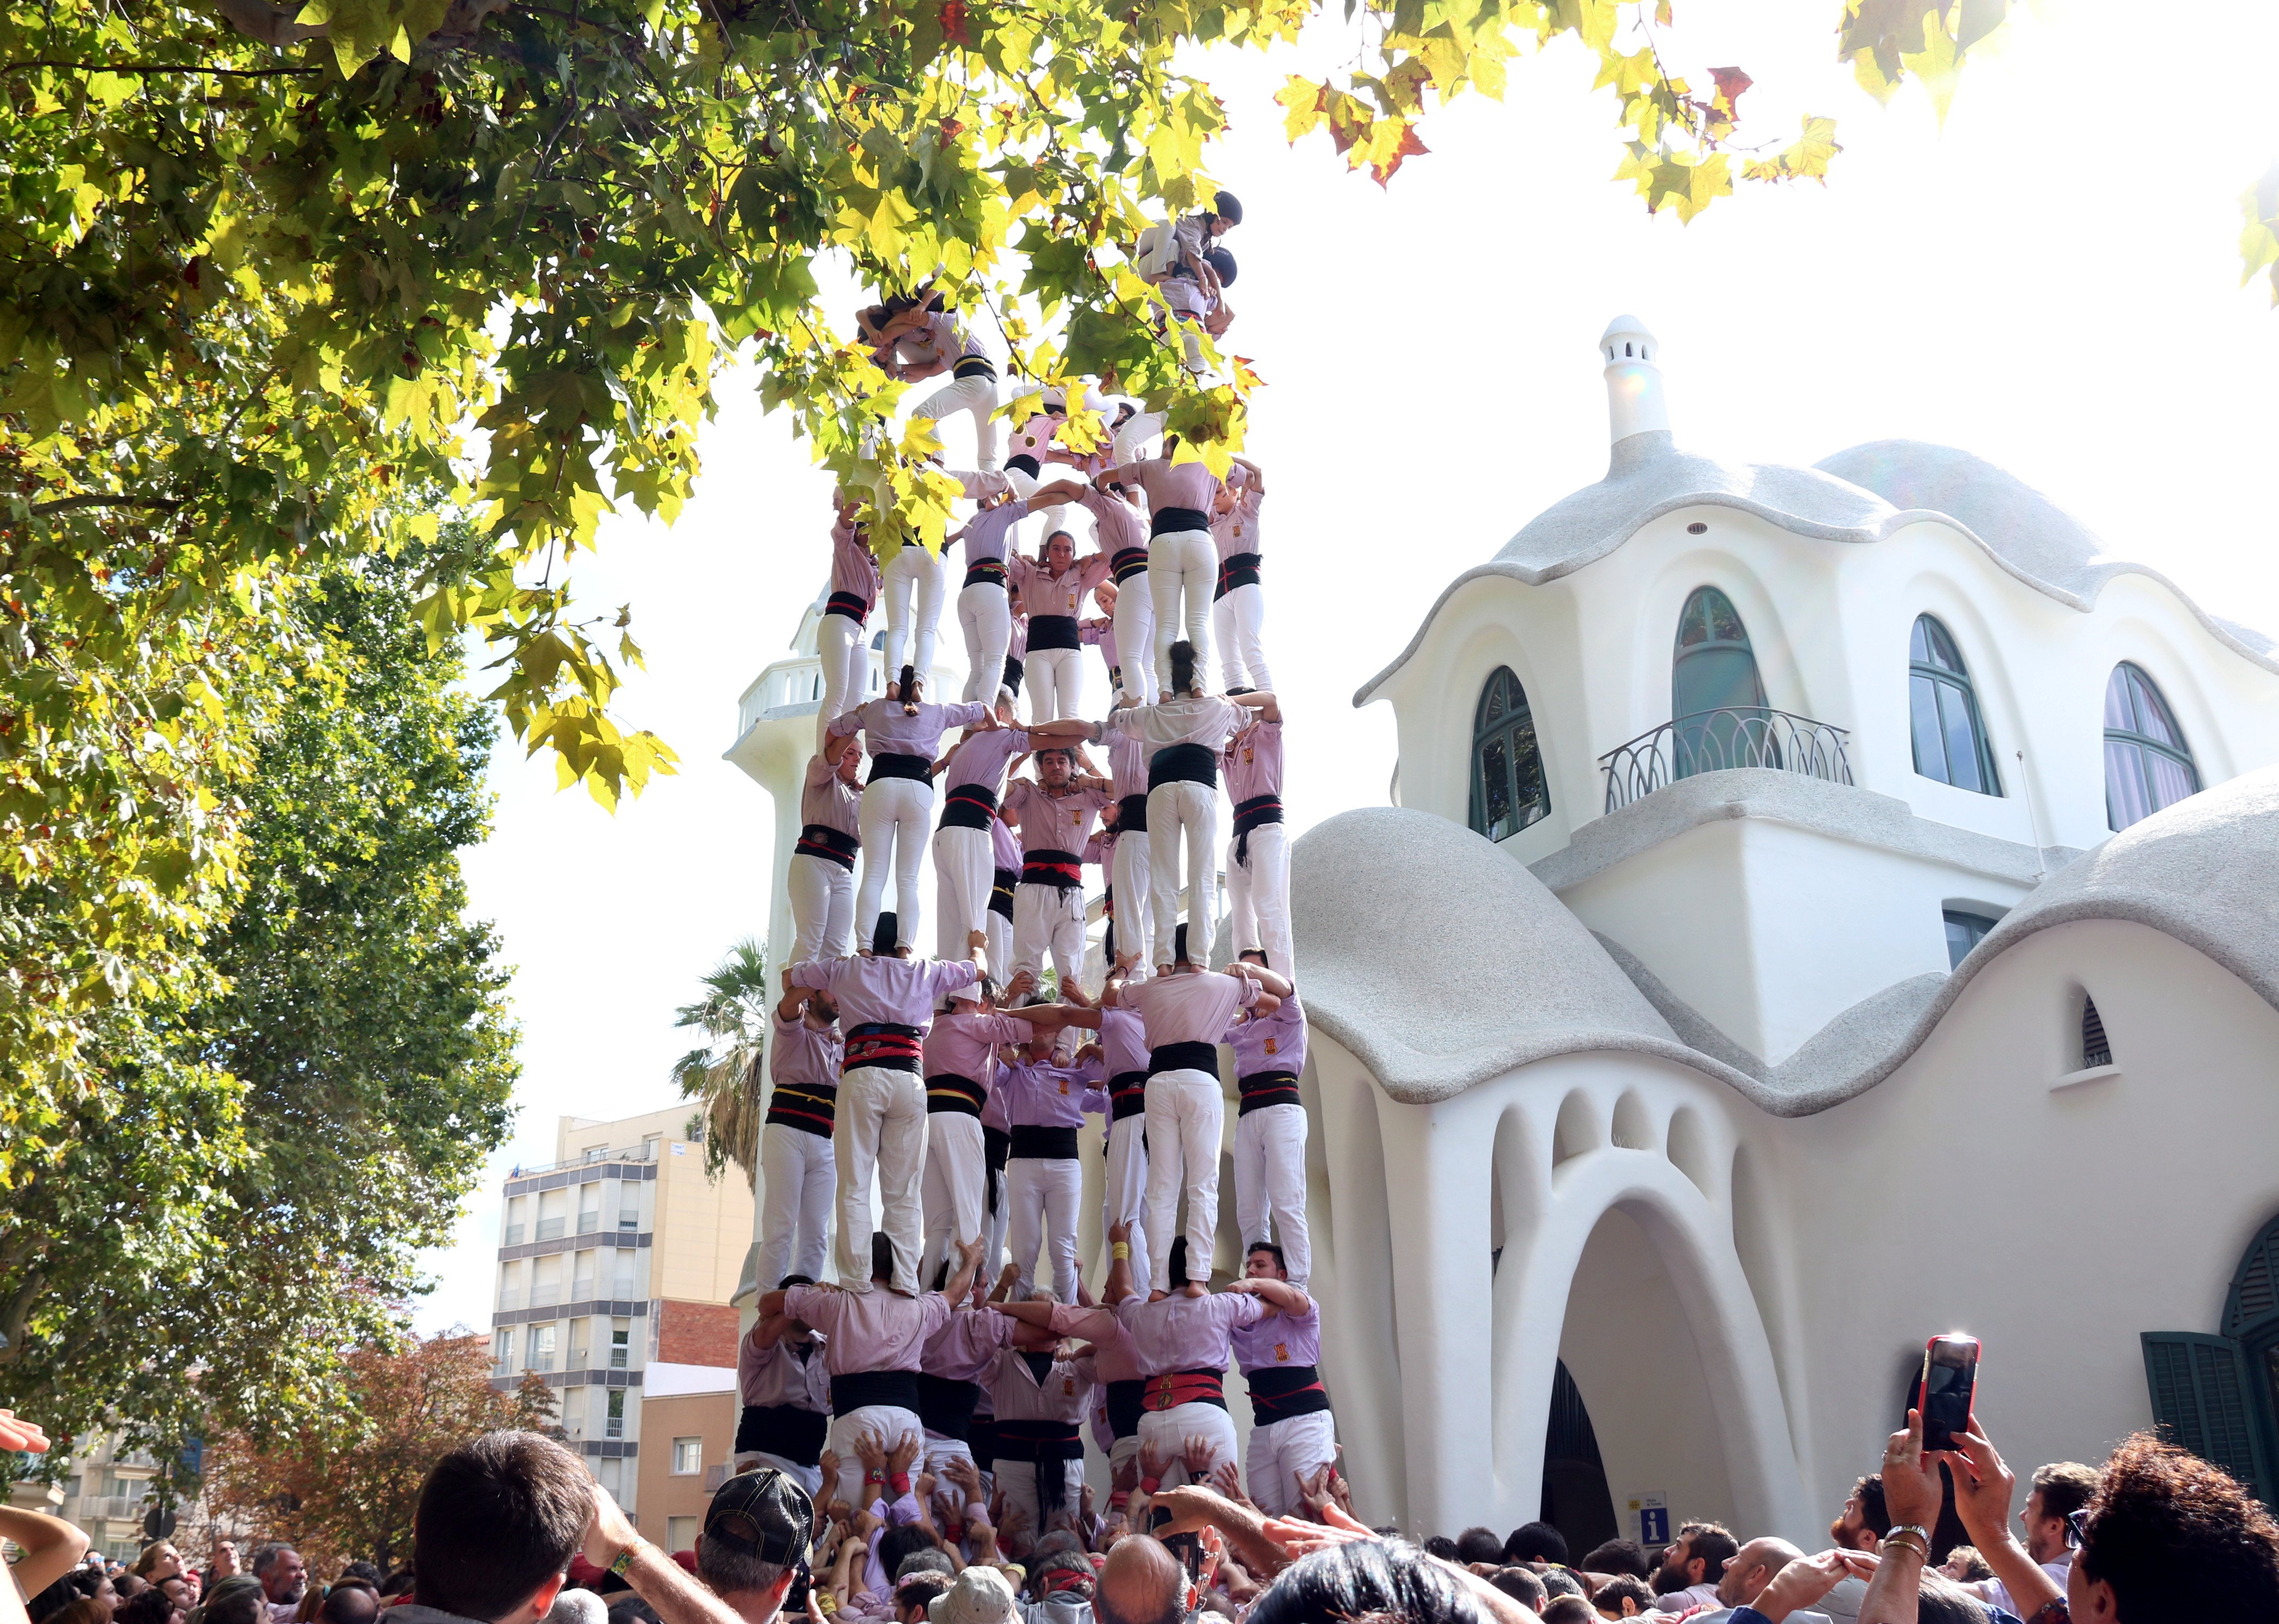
(1508, 792)
(1942, 708)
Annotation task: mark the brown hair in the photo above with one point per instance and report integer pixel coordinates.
(2178, 1539)
(497, 1518)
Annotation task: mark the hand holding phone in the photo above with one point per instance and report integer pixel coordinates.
(1946, 1389)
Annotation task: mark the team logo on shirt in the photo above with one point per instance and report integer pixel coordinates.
(1270, 1048)
(1282, 1353)
(1063, 1088)
(1068, 1387)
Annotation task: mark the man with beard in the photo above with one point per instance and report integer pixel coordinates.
(1692, 1566)
(283, 1576)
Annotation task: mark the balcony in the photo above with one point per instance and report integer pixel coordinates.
(94, 1506)
(511, 1236)
(550, 1228)
(1715, 741)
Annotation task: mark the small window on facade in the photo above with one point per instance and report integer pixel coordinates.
(2095, 1051)
(1508, 789)
(1950, 735)
(613, 1417)
(1964, 931)
(688, 1456)
(2147, 764)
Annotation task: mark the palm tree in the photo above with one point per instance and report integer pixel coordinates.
(724, 1074)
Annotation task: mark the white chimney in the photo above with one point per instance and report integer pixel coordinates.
(1635, 404)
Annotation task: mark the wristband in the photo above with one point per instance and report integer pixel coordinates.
(1148, 1485)
(900, 1482)
(1120, 1252)
(625, 1559)
(1916, 1529)
(1908, 1539)
(876, 1475)
(1119, 1498)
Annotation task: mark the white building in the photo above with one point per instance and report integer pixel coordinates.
(1751, 984)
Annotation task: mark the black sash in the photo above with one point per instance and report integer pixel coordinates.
(1038, 1441)
(1037, 1142)
(1063, 871)
(1279, 1392)
(985, 573)
(946, 1406)
(853, 605)
(889, 764)
(784, 1430)
(1127, 562)
(1236, 569)
(1171, 1388)
(1127, 1095)
(996, 1146)
(1251, 814)
(1131, 815)
(811, 1107)
(1054, 631)
(1126, 1401)
(1170, 519)
(974, 366)
(1183, 763)
(850, 1392)
(1184, 1057)
(982, 1437)
(1026, 464)
(946, 1091)
(882, 1043)
(969, 806)
(1261, 1089)
(831, 845)
(1001, 890)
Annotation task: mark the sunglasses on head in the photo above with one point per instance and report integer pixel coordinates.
(2076, 1528)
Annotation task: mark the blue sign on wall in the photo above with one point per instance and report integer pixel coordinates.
(1654, 1525)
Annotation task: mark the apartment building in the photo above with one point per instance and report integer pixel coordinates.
(617, 1261)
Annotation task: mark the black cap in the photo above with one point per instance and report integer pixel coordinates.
(763, 1514)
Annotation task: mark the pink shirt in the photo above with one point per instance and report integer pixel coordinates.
(1127, 763)
(984, 532)
(1043, 593)
(1115, 523)
(1209, 721)
(799, 1055)
(1236, 531)
(982, 759)
(887, 732)
(963, 1043)
(885, 990)
(943, 338)
(869, 1330)
(1124, 1039)
(1061, 1396)
(827, 798)
(1279, 1338)
(965, 1349)
(1114, 1357)
(1101, 634)
(1273, 1042)
(1047, 1096)
(1052, 823)
(852, 567)
(1173, 485)
(1004, 845)
(1195, 1008)
(1186, 1333)
(779, 1374)
(1017, 643)
(1253, 762)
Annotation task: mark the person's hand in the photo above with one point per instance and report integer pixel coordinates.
(1119, 1231)
(923, 1487)
(1984, 1487)
(1802, 1583)
(609, 1533)
(1195, 1454)
(1023, 981)
(1227, 1477)
(1152, 1462)
(904, 1456)
(1013, 1521)
(1126, 1478)
(1911, 1491)
(17, 1433)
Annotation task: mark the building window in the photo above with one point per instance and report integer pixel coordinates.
(541, 1347)
(2147, 764)
(1717, 699)
(679, 1534)
(613, 1425)
(688, 1456)
(1964, 931)
(2218, 1396)
(2095, 1048)
(503, 1350)
(581, 1287)
(621, 1341)
(589, 1208)
(1950, 735)
(1508, 787)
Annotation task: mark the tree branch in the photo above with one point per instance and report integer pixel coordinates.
(158, 68)
(103, 499)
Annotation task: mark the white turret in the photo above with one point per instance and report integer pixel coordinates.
(1635, 403)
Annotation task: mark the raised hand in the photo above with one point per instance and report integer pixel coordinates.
(1227, 1479)
(17, 1433)
(1152, 1463)
(1195, 1454)
(904, 1456)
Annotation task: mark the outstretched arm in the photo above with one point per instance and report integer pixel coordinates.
(1267, 980)
(1280, 1293)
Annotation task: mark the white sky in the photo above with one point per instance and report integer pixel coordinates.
(2050, 281)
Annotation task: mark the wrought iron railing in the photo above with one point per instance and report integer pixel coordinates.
(1714, 740)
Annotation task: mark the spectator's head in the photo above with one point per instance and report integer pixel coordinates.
(148, 1605)
(898, 1545)
(1367, 1579)
(52, 1600)
(1264, 1261)
(364, 1571)
(1618, 1556)
(1864, 1521)
(1753, 1567)
(1441, 1545)
(1062, 1573)
(1558, 1581)
(627, 1608)
(914, 1595)
(755, 1539)
(180, 1589)
(398, 1583)
(1523, 1585)
(352, 1601)
(2169, 1536)
(1536, 1542)
(1142, 1583)
(225, 1558)
(95, 1585)
(1697, 1556)
(128, 1587)
(237, 1599)
(1479, 1545)
(1569, 1610)
(1939, 1600)
(497, 1521)
(283, 1574)
(85, 1610)
(159, 1561)
(2059, 1490)
(1623, 1596)
(931, 1560)
(980, 1595)
(1966, 1565)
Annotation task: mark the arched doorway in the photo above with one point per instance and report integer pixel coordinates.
(1716, 698)
(1575, 1499)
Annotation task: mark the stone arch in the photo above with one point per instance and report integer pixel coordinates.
(1634, 1128)
(1579, 1129)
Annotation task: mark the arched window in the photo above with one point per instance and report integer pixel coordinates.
(1716, 700)
(2218, 1396)
(1507, 788)
(1950, 737)
(2147, 764)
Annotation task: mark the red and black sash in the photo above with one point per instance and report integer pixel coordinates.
(1261, 1089)
(895, 764)
(1278, 1392)
(1038, 1441)
(1183, 1057)
(1127, 1095)
(857, 1388)
(1131, 815)
(1236, 569)
(1251, 814)
(831, 845)
(985, 573)
(882, 1043)
(1001, 890)
(853, 605)
(1059, 870)
(811, 1107)
(969, 806)
(1127, 562)
(946, 1091)
(1174, 1388)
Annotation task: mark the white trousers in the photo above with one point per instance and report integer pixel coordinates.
(798, 1175)
(1179, 814)
(893, 816)
(1182, 570)
(1126, 1180)
(1283, 1452)
(843, 645)
(952, 1197)
(986, 616)
(1018, 1479)
(1046, 919)
(941, 1450)
(974, 395)
(1258, 895)
(889, 1423)
(962, 872)
(1135, 641)
(881, 1131)
(822, 896)
(993, 1222)
(913, 585)
(1000, 936)
(1054, 678)
(808, 1477)
(1135, 898)
(1185, 1111)
(1134, 435)
(1270, 1181)
(1168, 1432)
(1237, 621)
(1046, 1193)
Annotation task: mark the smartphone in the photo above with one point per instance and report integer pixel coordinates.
(1187, 1547)
(1950, 1376)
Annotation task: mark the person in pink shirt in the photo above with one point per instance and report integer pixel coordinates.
(1054, 812)
(896, 813)
(785, 1392)
(1129, 868)
(1116, 1363)
(1184, 1012)
(984, 611)
(1182, 564)
(1237, 602)
(798, 1175)
(1053, 588)
(1004, 879)
(887, 1001)
(1183, 1339)
(1270, 1133)
(1292, 1434)
(1038, 1399)
(839, 642)
(964, 854)
(819, 884)
(1118, 526)
(1045, 1103)
(942, 343)
(1258, 857)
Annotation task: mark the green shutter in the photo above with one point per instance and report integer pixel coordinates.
(2200, 1400)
